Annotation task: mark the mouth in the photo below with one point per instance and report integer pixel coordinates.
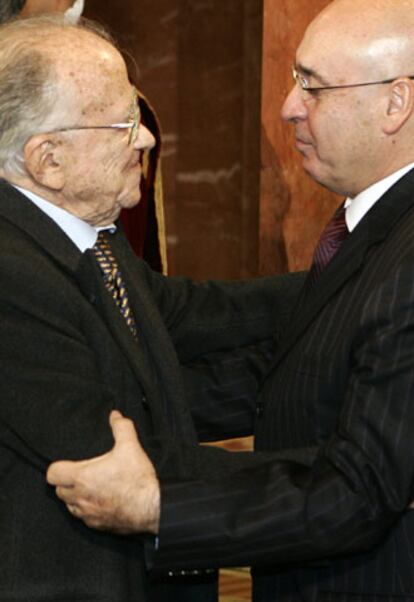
(135, 162)
(301, 143)
(135, 169)
(303, 146)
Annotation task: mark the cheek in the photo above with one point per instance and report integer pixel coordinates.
(120, 176)
(112, 170)
(110, 166)
(311, 129)
(105, 167)
(116, 158)
(326, 129)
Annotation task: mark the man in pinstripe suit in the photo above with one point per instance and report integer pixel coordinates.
(322, 509)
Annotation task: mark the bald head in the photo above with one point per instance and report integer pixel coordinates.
(352, 127)
(377, 36)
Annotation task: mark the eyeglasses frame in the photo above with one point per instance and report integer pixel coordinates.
(133, 126)
(299, 79)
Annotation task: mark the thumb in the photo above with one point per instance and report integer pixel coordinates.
(61, 473)
(123, 429)
(127, 442)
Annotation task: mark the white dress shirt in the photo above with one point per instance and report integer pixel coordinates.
(357, 207)
(82, 234)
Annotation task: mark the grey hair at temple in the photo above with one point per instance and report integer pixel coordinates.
(29, 84)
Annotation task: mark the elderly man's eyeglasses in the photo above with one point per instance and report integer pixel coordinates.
(132, 126)
(303, 83)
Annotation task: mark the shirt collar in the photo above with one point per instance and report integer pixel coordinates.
(359, 206)
(82, 234)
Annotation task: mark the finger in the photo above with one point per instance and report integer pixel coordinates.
(115, 414)
(123, 429)
(67, 495)
(62, 473)
(72, 509)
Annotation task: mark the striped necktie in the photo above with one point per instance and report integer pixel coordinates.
(330, 241)
(113, 279)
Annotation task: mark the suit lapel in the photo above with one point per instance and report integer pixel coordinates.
(82, 267)
(91, 284)
(152, 332)
(371, 230)
(21, 212)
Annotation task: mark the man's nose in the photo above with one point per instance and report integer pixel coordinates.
(294, 106)
(145, 140)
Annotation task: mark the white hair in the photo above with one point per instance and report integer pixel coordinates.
(30, 88)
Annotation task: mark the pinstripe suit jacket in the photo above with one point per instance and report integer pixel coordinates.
(324, 515)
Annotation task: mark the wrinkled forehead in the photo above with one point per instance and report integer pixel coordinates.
(92, 73)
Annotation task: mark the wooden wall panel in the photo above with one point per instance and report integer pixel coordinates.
(200, 65)
(293, 209)
(219, 120)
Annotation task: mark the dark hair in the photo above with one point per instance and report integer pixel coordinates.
(10, 9)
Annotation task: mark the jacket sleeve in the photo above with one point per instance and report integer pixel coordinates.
(341, 497)
(54, 401)
(222, 389)
(211, 316)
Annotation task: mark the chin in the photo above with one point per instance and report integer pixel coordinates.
(311, 172)
(131, 195)
(328, 183)
(131, 200)
(317, 174)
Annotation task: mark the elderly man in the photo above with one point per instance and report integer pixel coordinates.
(85, 326)
(144, 226)
(324, 517)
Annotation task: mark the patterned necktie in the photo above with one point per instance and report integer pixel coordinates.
(330, 241)
(113, 279)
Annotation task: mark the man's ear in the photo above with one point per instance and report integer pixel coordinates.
(400, 105)
(43, 159)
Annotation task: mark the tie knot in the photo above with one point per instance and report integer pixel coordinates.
(331, 239)
(102, 242)
(337, 226)
(104, 256)
(113, 279)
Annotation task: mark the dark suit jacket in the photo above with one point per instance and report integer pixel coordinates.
(324, 516)
(66, 359)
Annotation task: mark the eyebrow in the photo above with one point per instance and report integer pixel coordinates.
(309, 72)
